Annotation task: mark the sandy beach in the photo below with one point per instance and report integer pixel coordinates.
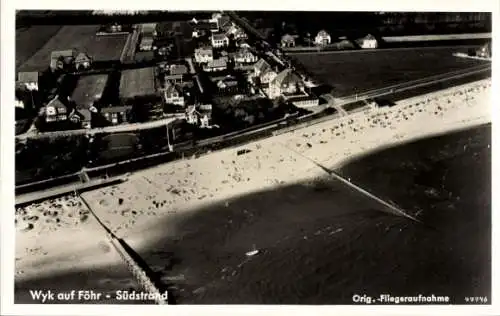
(59, 235)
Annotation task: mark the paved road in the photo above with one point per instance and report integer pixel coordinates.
(94, 131)
(381, 50)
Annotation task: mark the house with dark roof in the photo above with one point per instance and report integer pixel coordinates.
(55, 111)
(219, 40)
(29, 79)
(286, 82)
(62, 59)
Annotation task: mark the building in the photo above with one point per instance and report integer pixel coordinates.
(55, 111)
(219, 40)
(303, 101)
(264, 72)
(287, 40)
(245, 56)
(29, 79)
(173, 79)
(322, 38)
(146, 43)
(236, 32)
(485, 51)
(173, 94)
(203, 55)
(286, 82)
(64, 59)
(200, 115)
(368, 42)
(82, 61)
(87, 96)
(177, 69)
(216, 65)
(149, 29)
(116, 114)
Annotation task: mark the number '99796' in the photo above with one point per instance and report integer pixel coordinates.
(476, 299)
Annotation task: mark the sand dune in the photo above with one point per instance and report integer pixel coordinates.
(61, 228)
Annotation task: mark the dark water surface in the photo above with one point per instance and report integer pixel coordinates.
(321, 243)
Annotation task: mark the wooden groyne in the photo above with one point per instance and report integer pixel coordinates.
(140, 275)
(135, 264)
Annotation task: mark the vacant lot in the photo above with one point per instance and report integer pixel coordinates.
(79, 37)
(358, 71)
(30, 39)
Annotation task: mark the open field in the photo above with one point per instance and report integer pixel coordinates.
(137, 82)
(354, 72)
(82, 38)
(89, 89)
(30, 39)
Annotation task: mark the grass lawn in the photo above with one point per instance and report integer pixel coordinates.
(30, 39)
(81, 38)
(358, 71)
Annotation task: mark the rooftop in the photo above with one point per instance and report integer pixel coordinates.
(286, 77)
(28, 76)
(63, 53)
(137, 82)
(219, 37)
(178, 70)
(88, 90)
(216, 63)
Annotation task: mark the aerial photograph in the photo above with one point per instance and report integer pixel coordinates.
(253, 157)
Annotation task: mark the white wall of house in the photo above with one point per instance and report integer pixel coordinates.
(322, 40)
(220, 42)
(367, 44)
(203, 58)
(268, 77)
(31, 85)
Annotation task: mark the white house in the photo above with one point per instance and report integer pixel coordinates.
(237, 32)
(323, 38)
(245, 56)
(203, 55)
(29, 79)
(219, 40)
(368, 42)
(286, 82)
(55, 111)
(174, 95)
(216, 65)
(264, 72)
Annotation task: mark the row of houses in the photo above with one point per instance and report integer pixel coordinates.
(324, 39)
(69, 60)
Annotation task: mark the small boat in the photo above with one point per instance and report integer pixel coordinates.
(252, 252)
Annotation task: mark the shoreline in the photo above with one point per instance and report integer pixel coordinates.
(170, 190)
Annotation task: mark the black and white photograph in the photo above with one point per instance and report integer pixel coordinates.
(234, 157)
